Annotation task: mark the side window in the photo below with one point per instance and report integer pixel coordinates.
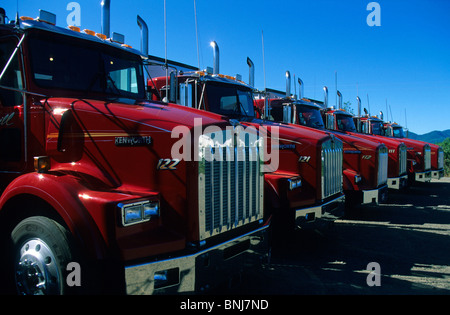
(12, 77)
(228, 103)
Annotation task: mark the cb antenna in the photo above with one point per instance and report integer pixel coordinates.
(165, 51)
(196, 34)
(266, 109)
(392, 118)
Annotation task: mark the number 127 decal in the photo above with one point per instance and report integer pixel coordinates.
(167, 164)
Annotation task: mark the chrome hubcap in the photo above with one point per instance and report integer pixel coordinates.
(36, 271)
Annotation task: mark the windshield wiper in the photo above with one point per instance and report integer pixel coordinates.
(242, 109)
(108, 78)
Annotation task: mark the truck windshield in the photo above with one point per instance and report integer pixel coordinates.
(64, 63)
(345, 123)
(398, 132)
(377, 128)
(229, 100)
(309, 116)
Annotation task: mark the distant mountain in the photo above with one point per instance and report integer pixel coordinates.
(432, 137)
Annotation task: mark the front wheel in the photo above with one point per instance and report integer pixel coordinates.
(41, 253)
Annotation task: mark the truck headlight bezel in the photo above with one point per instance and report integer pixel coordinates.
(295, 182)
(138, 212)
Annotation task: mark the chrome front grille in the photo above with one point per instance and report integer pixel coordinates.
(332, 159)
(402, 159)
(382, 166)
(231, 185)
(440, 161)
(427, 157)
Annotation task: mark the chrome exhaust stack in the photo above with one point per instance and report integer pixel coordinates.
(325, 98)
(2, 16)
(359, 106)
(300, 89)
(144, 35)
(216, 57)
(251, 72)
(288, 84)
(106, 8)
(339, 99)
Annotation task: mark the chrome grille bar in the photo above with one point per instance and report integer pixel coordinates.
(382, 165)
(440, 158)
(332, 159)
(427, 157)
(231, 188)
(402, 158)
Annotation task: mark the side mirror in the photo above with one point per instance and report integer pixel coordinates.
(173, 88)
(186, 94)
(287, 114)
(329, 121)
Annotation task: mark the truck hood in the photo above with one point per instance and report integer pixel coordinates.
(413, 144)
(289, 132)
(156, 115)
(389, 142)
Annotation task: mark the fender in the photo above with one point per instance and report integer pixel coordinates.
(349, 180)
(84, 211)
(61, 193)
(273, 189)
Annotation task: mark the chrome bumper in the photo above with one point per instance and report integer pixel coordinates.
(199, 271)
(397, 182)
(325, 210)
(437, 174)
(375, 195)
(422, 176)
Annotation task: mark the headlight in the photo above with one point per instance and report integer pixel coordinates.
(138, 212)
(294, 182)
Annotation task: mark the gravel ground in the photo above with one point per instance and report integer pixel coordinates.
(408, 237)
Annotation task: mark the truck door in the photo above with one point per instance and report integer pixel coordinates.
(12, 153)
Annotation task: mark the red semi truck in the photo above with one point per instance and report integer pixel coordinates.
(88, 183)
(397, 151)
(307, 184)
(394, 130)
(365, 161)
(424, 159)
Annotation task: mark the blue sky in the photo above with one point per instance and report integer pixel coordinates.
(405, 61)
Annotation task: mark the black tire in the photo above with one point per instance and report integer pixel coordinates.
(41, 252)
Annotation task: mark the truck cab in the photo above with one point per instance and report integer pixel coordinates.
(306, 183)
(88, 180)
(365, 162)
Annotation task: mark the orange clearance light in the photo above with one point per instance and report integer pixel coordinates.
(26, 18)
(74, 28)
(101, 36)
(41, 164)
(127, 46)
(89, 32)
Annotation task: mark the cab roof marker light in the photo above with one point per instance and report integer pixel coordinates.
(74, 28)
(89, 32)
(101, 36)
